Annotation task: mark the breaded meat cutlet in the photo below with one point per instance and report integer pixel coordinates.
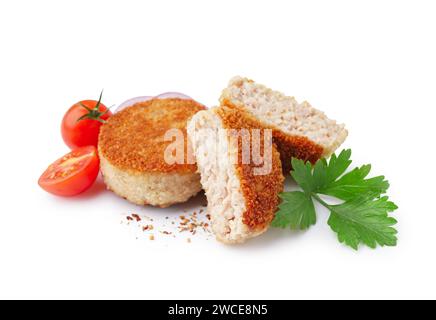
(132, 153)
(241, 201)
(299, 130)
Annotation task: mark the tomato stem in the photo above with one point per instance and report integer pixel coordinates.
(94, 114)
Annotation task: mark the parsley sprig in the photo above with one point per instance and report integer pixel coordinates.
(361, 218)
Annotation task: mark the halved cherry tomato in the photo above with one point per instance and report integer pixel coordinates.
(81, 123)
(72, 174)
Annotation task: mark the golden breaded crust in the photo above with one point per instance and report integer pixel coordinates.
(133, 139)
(289, 146)
(296, 147)
(261, 192)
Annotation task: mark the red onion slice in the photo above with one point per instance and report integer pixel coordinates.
(132, 101)
(166, 95)
(173, 95)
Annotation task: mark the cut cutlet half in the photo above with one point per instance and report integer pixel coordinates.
(132, 149)
(299, 130)
(242, 195)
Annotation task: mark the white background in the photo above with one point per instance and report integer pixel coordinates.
(369, 64)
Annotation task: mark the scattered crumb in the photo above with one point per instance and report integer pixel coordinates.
(186, 223)
(136, 217)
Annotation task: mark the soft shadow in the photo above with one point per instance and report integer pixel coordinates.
(290, 184)
(95, 190)
(272, 237)
(194, 204)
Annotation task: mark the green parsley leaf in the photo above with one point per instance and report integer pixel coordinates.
(361, 218)
(302, 174)
(312, 179)
(354, 184)
(323, 178)
(364, 220)
(296, 211)
(326, 173)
